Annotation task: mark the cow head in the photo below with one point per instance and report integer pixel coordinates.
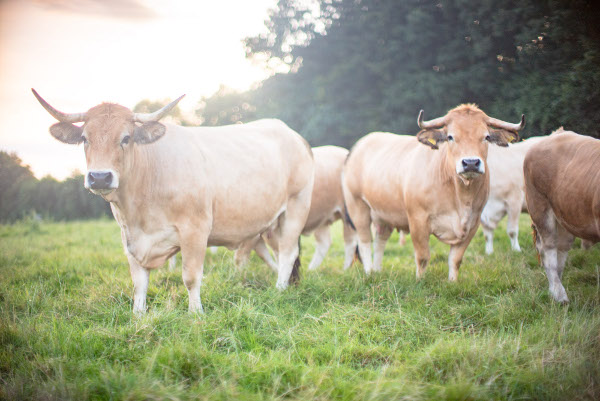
(466, 131)
(109, 134)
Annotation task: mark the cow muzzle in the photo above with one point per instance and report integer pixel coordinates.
(470, 167)
(101, 181)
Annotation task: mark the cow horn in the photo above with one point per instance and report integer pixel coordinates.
(494, 122)
(435, 123)
(157, 115)
(59, 115)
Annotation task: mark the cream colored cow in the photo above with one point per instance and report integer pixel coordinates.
(394, 181)
(196, 186)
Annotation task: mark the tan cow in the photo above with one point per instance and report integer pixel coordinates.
(196, 186)
(507, 191)
(327, 206)
(562, 189)
(395, 181)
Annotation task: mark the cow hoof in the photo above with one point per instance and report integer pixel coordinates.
(196, 311)
(563, 300)
(281, 286)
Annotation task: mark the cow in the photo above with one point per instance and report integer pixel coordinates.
(507, 191)
(562, 190)
(436, 183)
(197, 186)
(327, 206)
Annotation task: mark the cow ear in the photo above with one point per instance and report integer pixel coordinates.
(432, 137)
(67, 133)
(148, 132)
(502, 137)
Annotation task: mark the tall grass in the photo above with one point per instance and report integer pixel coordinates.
(67, 330)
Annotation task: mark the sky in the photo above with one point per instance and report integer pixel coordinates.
(80, 53)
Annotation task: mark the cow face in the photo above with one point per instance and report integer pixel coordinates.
(466, 132)
(109, 138)
(110, 134)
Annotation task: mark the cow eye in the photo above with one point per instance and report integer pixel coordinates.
(84, 140)
(488, 138)
(450, 138)
(125, 140)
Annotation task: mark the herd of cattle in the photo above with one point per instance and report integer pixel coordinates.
(259, 185)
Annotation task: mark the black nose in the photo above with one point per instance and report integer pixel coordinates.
(471, 165)
(100, 179)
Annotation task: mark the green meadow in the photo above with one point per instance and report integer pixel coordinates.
(67, 331)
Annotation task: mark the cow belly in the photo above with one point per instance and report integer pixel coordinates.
(231, 232)
(588, 230)
(395, 219)
(151, 250)
(315, 221)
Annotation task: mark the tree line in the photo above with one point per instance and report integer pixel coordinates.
(358, 66)
(355, 66)
(23, 195)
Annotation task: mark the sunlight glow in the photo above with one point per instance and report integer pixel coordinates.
(77, 54)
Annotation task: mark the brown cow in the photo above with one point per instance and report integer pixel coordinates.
(396, 182)
(562, 189)
(196, 186)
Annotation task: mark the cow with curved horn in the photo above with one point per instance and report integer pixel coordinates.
(393, 181)
(198, 186)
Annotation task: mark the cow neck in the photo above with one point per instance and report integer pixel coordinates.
(465, 192)
(134, 184)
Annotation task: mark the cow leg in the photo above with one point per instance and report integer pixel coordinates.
(555, 245)
(492, 213)
(419, 233)
(193, 250)
(550, 262)
(488, 233)
(455, 259)
(263, 252)
(564, 242)
(554, 255)
(585, 244)
(360, 213)
(512, 223)
(291, 224)
(271, 239)
(382, 234)
(548, 242)
(401, 238)
(323, 238)
(172, 263)
(242, 253)
(456, 254)
(350, 244)
(140, 277)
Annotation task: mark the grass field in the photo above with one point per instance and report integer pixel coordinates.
(67, 330)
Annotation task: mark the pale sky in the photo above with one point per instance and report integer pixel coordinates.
(79, 53)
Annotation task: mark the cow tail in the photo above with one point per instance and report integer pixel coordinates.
(349, 221)
(535, 234)
(347, 218)
(295, 276)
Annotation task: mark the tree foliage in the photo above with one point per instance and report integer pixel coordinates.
(364, 65)
(22, 194)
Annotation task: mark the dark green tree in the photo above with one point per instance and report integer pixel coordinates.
(363, 65)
